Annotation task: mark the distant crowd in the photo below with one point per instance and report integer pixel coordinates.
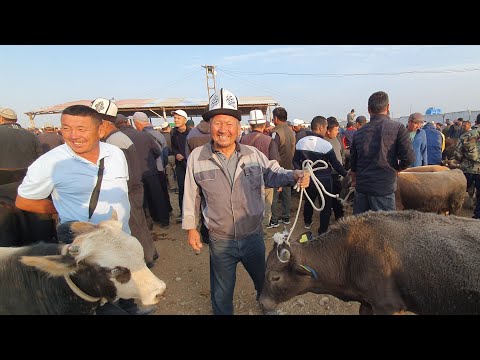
(232, 182)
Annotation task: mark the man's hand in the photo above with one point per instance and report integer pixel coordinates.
(194, 239)
(302, 178)
(179, 157)
(354, 178)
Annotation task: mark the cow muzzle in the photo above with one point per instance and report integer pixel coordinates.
(267, 303)
(150, 288)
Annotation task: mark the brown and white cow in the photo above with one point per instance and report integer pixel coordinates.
(103, 263)
(431, 188)
(389, 261)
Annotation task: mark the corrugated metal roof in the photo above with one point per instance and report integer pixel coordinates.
(193, 107)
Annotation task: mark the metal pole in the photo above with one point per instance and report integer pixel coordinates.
(210, 74)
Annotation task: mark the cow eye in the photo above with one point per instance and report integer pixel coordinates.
(121, 274)
(284, 255)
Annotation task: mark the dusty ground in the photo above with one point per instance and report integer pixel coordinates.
(187, 276)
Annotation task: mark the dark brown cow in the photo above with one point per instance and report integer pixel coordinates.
(434, 191)
(390, 262)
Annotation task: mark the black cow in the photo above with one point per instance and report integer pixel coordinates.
(390, 262)
(20, 227)
(103, 263)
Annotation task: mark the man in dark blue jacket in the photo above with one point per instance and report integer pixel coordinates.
(313, 147)
(378, 151)
(418, 138)
(434, 144)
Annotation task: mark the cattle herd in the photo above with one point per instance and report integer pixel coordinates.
(414, 259)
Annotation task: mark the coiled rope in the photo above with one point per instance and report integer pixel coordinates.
(308, 166)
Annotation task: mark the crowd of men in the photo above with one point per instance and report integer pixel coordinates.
(232, 185)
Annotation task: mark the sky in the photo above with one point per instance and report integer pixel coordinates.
(308, 80)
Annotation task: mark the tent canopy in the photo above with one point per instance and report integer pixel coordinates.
(164, 107)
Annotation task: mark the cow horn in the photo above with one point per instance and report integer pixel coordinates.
(74, 250)
(114, 214)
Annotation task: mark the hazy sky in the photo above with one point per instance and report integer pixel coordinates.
(307, 80)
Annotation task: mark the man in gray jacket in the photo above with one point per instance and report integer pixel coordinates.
(232, 178)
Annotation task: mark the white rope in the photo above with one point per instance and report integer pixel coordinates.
(308, 166)
(75, 288)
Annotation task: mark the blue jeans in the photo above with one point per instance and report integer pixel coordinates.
(224, 257)
(364, 202)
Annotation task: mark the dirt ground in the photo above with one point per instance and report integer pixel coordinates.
(187, 276)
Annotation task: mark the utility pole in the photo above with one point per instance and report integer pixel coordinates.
(32, 122)
(211, 84)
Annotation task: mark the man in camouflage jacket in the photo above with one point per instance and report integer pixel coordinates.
(467, 154)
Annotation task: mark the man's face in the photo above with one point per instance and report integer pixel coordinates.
(81, 133)
(224, 129)
(179, 120)
(332, 133)
(108, 127)
(413, 126)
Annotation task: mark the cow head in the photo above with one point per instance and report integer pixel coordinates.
(106, 249)
(286, 274)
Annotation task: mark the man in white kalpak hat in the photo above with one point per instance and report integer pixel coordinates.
(266, 145)
(232, 178)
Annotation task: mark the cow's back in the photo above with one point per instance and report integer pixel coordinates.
(431, 191)
(427, 168)
(434, 260)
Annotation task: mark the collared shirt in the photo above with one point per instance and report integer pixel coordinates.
(70, 179)
(230, 165)
(411, 135)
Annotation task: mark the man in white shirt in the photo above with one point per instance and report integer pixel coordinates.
(69, 174)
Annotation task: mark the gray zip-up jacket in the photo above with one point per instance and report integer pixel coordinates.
(230, 212)
(162, 143)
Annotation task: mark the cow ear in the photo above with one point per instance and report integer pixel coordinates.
(54, 265)
(110, 224)
(301, 270)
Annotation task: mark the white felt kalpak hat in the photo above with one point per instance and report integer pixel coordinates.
(105, 106)
(298, 122)
(256, 117)
(223, 102)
